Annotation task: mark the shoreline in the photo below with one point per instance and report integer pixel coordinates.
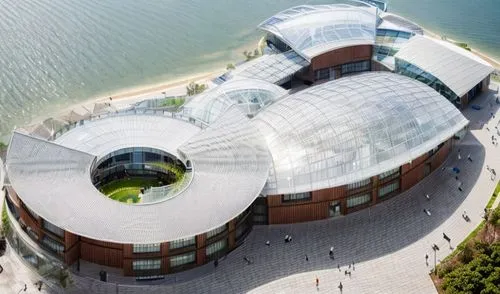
(176, 87)
(495, 63)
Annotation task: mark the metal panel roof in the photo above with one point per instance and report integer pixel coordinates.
(398, 23)
(456, 67)
(272, 68)
(230, 166)
(352, 128)
(311, 30)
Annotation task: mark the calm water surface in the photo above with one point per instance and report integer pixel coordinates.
(54, 53)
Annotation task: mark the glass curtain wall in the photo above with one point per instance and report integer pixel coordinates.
(412, 71)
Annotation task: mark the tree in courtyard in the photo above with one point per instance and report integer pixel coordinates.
(230, 66)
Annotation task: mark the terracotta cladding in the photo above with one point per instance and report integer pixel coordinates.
(101, 255)
(341, 56)
(317, 207)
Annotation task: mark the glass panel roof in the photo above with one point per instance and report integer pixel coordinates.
(352, 128)
(273, 68)
(249, 94)
(313, 30)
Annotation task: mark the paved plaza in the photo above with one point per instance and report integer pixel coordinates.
(387, 242)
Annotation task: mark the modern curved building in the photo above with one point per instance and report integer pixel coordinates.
(250, 152)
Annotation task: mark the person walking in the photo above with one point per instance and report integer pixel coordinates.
(426, 259)
(307, 258)
(331, 253)
(317, 282)
(341, 287)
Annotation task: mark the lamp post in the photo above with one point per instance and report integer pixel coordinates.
(435, 248)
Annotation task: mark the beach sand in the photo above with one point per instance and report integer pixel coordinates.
(125, 98)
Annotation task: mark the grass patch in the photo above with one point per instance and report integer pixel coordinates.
(172, 102)
(5, 220)
(126, 190)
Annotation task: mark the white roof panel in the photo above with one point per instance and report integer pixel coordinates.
(250, 95)
(312, 30)
(352, 128)
(229, 159)
(456, 67)
(272, 68)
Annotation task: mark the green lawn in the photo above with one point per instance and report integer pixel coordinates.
(126, 190)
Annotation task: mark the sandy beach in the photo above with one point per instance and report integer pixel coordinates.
(123, 99)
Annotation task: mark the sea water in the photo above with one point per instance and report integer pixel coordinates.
(55, 53)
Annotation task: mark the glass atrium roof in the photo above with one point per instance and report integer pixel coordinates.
(456, 67)
(353, 128)
(395, 22)
(313, 30)
(273, 68)
(249, 94)
(228, 157)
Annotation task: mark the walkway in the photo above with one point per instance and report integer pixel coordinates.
(387, 242)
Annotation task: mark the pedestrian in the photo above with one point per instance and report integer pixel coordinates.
(427, 259)
(307, 258)
(268, 243)
(338, 266)
(331, 251)
(460, 189)
(317, 282)
(216, 263)
(349, 274)
(286, 238)
(469, 158)
(345, 273)
(290, 238)
(341, 287)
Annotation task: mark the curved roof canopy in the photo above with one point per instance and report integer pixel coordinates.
(397, 23)
(54, 181)
(311, 30)
(456, 67)
(353, 128)
(249, 94)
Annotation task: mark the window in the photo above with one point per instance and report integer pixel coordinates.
(146, 264)
(388, 189)
(216, 231)
(355, 67)
(389, 174)
(53, 229)
(322, 74)
(359, 184)
(181, 243)
(358, 200)
(53, 245)
(297, 197)
(216, 247)
(182, 259)
(144, 248)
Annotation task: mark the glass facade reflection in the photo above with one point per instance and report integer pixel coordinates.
(412, 71)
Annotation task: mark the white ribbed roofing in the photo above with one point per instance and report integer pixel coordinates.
(353, 128)
(2, 173)
(103, 136)
(456, 67)
(272, 68)
(249, 94)
(398, 23)
(230, 165)
(311, 30)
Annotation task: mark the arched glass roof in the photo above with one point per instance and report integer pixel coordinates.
(353, 128)
(249, 94)
(313, 30)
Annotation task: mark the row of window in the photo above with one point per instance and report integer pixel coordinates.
(358, 184)
(181, 243)
(297, 197)
(146, 248)
(393, 173)
(53, 245)
(388, 189)
(179, 260)
(53, 228)
(356, 67)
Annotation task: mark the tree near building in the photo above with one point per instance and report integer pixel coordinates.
(194, 88)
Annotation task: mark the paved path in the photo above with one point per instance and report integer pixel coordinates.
(387, 242)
